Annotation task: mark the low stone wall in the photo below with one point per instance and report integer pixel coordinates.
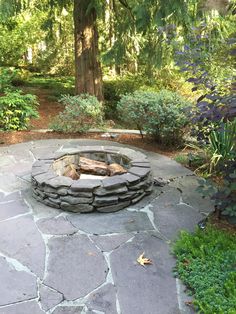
(108, 194)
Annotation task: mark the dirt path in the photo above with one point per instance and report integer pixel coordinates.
(48, 108)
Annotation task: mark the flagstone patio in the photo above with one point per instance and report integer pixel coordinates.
(57, 262)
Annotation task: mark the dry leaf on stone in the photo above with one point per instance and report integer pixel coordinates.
(143, 260)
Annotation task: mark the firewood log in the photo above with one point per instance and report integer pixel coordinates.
(72, 172)
(116, 169)
(93, 167)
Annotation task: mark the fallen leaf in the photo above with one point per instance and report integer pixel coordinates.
(143, 260)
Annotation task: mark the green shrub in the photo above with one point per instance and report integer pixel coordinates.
(206, 263)
(6, 77)
(16, 109)
(159, 114)
(81, 113)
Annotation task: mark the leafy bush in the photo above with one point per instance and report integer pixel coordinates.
(116, 87)
(6, 77)
(159, 114)
(213, 118)
(206, 263)
(80, 114)
(10, 76)
(16, 109)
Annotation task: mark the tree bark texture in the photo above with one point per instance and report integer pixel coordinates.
(88, 76)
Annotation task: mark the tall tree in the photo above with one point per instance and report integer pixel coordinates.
(88, 75)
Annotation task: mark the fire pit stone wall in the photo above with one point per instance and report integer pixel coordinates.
(106, 194)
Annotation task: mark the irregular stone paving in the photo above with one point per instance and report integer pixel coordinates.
(57, 262)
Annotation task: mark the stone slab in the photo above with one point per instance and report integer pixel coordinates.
(68, 310)
(85, 185)
(48, 297)
(111, 242)
(103, 300)
(9, 197)
(56, 226)
(76, 200)
(113, 208)
(140, 172)
(165, 167)
(60, 182)
(9, 183)
(118, 222)
(170, 216)
(113, 182)
(149, 289)
(30, 307)
(105, 200)
(190, 196)
(15, 285)
(21, 240)
(39, 210)
(130, 178)
(12, 209)
(79, 208)
(74, 272)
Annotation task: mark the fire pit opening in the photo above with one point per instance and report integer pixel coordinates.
(91, 165)
(104, 179)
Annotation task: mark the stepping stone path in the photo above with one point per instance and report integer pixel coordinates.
(57, 262)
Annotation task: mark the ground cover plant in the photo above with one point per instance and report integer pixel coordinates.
(206, 263)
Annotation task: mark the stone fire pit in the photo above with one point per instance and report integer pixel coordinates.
(91, 192)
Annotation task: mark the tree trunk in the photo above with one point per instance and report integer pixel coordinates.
(88, 76)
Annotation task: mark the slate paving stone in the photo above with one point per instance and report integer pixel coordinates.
(74, 272)
(21, 240)
(113, 208)
(118, 222)
(9, 197)
(42, 152)
(56, 226)
(111, 242)
(12, 208)
(149, 289)
(49, 298)
(9, 183)
(171, 217)
(68, 310)
(19, 168)
(39, 210)
(6, 160)
(156, 192)
(190, 195)
(15, 285)
(85, 185)
(165, 167)
(103, 299)
(30, 307)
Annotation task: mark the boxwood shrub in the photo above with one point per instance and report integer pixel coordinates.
(161, 114)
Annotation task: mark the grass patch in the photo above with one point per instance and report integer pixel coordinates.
(182, 159)
(206, 262)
